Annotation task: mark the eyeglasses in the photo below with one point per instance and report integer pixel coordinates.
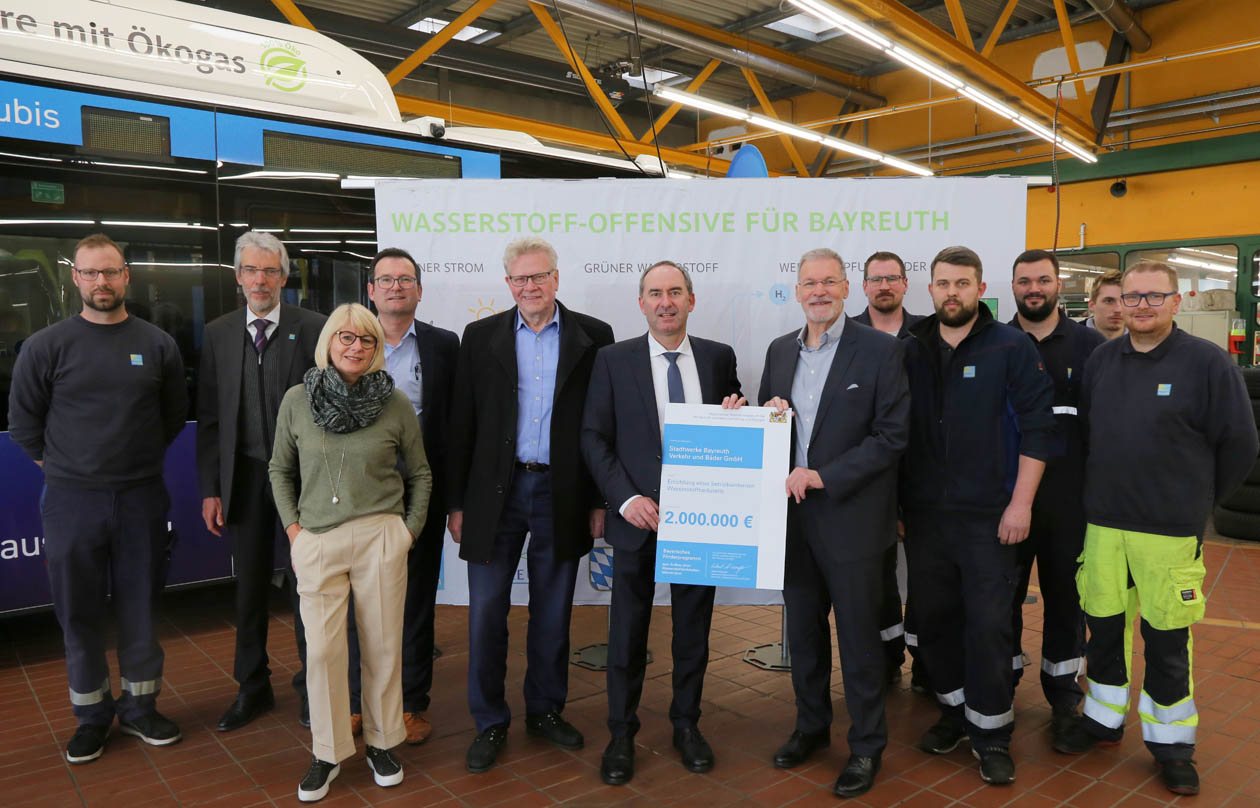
(537, 279)
(93, 274)
(877, 280)
(829, 284)
(347, 338)
(253, 272)
(386, 282)
(1131, 299)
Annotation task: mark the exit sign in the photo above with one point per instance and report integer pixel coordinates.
(50, 193)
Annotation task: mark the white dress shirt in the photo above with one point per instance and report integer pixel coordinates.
(660, 382)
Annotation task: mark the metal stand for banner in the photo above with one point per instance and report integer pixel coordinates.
(595, 657)
(775, 656)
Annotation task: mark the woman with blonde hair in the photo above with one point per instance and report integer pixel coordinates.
(351, 511)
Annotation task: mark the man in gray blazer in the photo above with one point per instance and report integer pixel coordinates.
(249, 358)
(847, 386)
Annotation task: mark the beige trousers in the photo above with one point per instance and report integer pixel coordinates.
(367, 556)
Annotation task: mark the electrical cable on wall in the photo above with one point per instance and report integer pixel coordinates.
(573, 57)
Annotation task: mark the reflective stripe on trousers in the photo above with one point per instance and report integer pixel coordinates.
(1175, 723)
(94, 697)
(1106, 704)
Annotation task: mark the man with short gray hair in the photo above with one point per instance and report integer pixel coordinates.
(249, 358)
(515, 468)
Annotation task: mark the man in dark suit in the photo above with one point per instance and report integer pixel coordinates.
(847, 384)
(421, 359)
(621, 440)
(885, 284)
(515, 468)
(249, 358)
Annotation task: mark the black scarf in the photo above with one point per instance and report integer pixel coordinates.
(341, 409)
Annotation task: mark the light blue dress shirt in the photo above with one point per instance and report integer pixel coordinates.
(536, 359)
(402, 362)
(807, 384)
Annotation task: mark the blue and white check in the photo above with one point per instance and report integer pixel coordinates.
(601, 565)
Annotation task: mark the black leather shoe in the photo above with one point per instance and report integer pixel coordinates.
(485, 749)
(858, 776)
(304, 713)
(800, 747)
(943, 736)
(551, 727)
(245, 709)
(697, 756)
(616, 768)
(1179, 776)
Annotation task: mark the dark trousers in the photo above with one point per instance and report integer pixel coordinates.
(892, 630)
(103, 547)
(1055, 542)
(963, 581)
(634, 586)
(424, 565)
(813, 587)
(551, 581)
(254, 527)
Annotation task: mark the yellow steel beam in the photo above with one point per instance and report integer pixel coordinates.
(1069, 45)
(735, 41)
(436, 41)
(959, 20)
(566, 50)
(917, 32)
(1158, 61)
(768, 109)
(695, 84)
(566, 135)
(998, 28)
(292, 13)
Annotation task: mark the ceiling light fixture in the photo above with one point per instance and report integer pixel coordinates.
(867, 34)
(766, 122)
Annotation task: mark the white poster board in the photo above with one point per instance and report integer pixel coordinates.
(739, 238)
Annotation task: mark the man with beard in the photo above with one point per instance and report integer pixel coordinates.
(980, 432)
(1057, 533)
(1178, 406)
(885, 284)
(1105, 310)
(249, 358)
(96, 400)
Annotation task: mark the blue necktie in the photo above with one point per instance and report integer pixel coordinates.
(673, 378)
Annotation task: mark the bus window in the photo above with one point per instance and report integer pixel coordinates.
(1199, 268)
(1077, 271)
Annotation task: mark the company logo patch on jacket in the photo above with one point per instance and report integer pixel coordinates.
(1163, 390)
(969, 371)
(137, 359)
(1188, 595)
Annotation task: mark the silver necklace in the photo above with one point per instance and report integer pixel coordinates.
(340, 466)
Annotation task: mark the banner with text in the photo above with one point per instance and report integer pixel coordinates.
(739, 238)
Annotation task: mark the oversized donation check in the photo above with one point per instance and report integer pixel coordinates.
(723, 507)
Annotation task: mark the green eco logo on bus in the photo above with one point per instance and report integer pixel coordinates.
(283, 69)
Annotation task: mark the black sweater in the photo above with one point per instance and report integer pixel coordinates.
(971, 417)
(98, 404)
(1168, 430)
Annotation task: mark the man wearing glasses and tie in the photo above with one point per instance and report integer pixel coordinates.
(96, 400)
(249, 358)
(1176, 407)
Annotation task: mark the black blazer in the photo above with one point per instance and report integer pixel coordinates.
(860, 432)
(907, 320)
(439, 353)
(219, 387)
(621, 436)
(483, 431)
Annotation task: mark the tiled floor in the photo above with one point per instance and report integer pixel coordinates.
(748, 712)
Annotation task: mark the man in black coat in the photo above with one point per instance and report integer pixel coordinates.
(621, 441)
(421, 360)
(515, 468)
(885, 284)
(249, 358)
(847, 384)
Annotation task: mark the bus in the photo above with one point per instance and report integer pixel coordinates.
(174, 129)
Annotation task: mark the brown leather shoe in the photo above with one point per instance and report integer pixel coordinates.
(418, 729)
(356, 724)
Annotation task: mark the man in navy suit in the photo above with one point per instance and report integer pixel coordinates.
(631, 383)
(421, 360)
(847, 385)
